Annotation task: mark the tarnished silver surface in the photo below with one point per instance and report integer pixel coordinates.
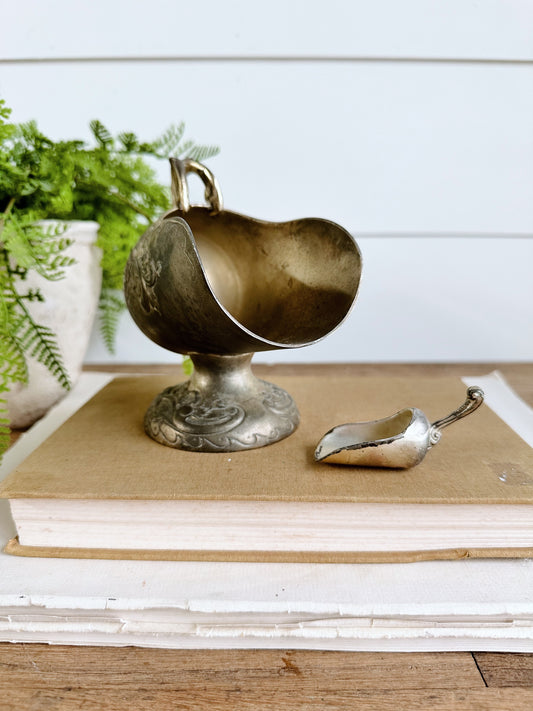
(399, 441)
(215, 284)
(222, 408)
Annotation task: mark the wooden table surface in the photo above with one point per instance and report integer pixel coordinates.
(41, 677)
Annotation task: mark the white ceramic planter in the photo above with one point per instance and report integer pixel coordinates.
(69, 310)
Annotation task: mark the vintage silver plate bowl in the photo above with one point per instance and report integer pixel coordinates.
(220, 286)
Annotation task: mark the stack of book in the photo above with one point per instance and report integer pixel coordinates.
(111, 538)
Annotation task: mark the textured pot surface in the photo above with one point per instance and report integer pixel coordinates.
(69, 309)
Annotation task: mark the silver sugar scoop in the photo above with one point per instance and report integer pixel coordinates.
(399, 441)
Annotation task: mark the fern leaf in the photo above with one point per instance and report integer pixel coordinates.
(29, 131)
(201, 153)
(14, 368)
(184, 148)
(187, 365)
(33, 247)
(5, 430)
(129, 142)
(110, 308)
(102, 135)
(40, 343)
(168, 142)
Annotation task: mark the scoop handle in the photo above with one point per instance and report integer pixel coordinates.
(474, 398)
(180, 189)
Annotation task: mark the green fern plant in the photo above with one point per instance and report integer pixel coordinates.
(25, 246)
(111, 181)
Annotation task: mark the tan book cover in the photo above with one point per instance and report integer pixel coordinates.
(101, 452)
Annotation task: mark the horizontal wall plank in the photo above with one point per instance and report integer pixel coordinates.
(420, 300)
(377, 147)
(431, 163)
(439, 29)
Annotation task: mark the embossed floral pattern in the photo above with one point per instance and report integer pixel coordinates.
(180, 417)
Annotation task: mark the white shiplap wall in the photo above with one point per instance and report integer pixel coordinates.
(411, 124)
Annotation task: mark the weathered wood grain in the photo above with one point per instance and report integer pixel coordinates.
(260, 698)
(33, 665)
(38, 676)
(505, 670)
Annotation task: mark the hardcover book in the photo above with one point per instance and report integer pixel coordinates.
(99, 487)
